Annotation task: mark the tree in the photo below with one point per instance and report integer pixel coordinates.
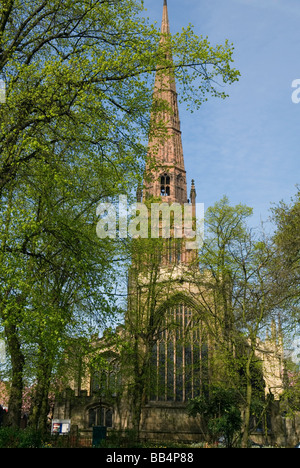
(76, 114)
(50, 270)
(76, 75)
(261, 296)
(290, 401)
(220, 414)
(151, 294)
(241, 288)
(286, 218)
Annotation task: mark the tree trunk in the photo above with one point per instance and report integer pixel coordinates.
(38, 418)
(17, 364)
(248, 402)
(137, 408)
(141, 367)
(138, 397)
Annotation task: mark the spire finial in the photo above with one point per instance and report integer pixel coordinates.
(165, 2)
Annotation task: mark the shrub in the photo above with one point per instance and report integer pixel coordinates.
(220, 414)
(20, 438)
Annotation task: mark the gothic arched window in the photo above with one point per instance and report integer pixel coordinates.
(165, 185)
(179, 365)
(100, 416)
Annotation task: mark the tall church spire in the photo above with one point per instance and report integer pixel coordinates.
(168, 178)
(165, 27)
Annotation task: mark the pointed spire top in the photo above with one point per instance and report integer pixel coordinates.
(168, 179)
(165, 27)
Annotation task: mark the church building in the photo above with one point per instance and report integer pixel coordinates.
(174, 342)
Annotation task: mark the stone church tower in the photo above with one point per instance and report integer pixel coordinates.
(165, 175)
(178, 351)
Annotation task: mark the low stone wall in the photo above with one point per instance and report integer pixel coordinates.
(169, 421)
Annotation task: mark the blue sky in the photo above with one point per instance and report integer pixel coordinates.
(246, 147)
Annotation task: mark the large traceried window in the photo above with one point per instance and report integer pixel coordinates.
(179, 359)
